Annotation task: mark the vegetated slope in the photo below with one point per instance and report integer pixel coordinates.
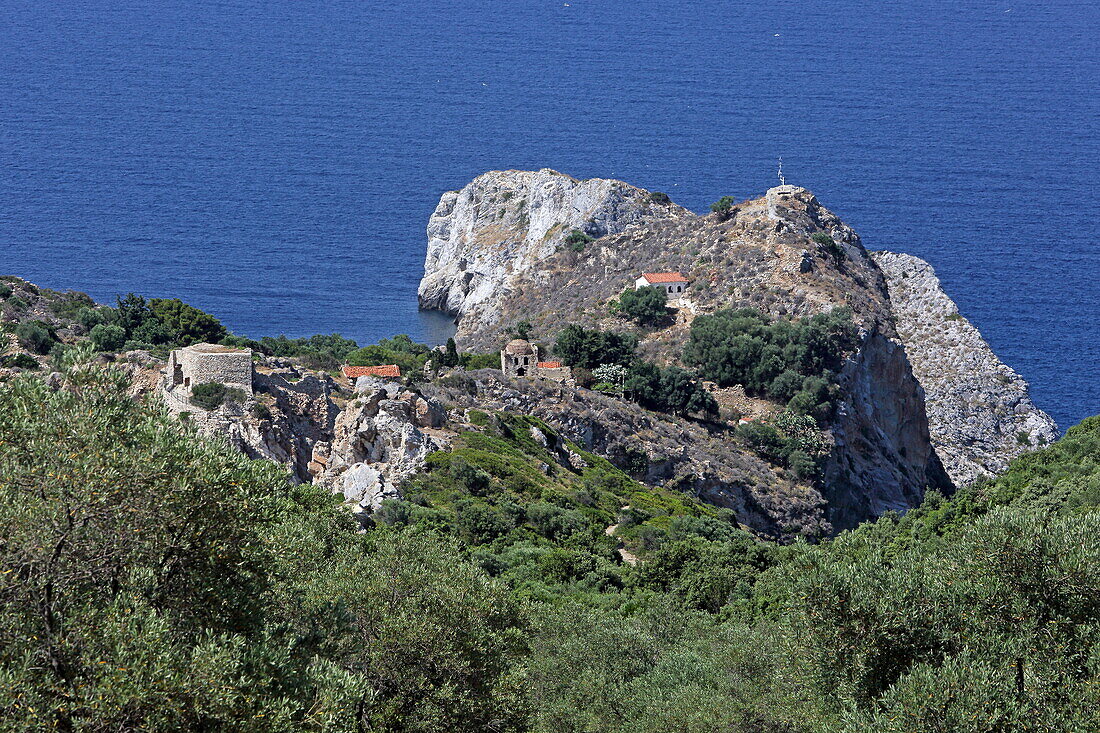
(677, 454)
(152, 579)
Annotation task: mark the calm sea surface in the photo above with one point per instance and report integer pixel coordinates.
(275, 162)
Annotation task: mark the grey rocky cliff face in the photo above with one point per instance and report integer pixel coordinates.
(505, 222)
(362, 451)
(980, 414)
(883, 459)
(377, 443)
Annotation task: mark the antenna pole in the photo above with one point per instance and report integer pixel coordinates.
(782, 180)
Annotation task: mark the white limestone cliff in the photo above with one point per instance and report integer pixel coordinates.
(504, 222)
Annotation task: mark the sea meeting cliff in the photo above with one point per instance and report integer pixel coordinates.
(913, 400)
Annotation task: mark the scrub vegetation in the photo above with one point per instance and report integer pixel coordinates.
(152, 579)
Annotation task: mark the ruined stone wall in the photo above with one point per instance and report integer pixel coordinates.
(231, 368)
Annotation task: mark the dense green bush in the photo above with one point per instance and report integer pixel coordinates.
(829, 246)
(723, 207)
(471, 361)
(658, 197)
(5, 291)
(108, 337)
(788, 361)
(589, 348)
(400, 350)
(576, 240)
(208, 395)
(644, 305)
(669, 389)
(186, 324)
(36, 336)
(19, 361)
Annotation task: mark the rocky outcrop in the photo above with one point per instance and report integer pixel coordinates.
(786, 255)
(980, 415)
(505, 222)
(377, 443)
(361, 447)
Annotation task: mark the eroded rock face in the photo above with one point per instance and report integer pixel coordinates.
(505, 222)
(362, 452)
(377, 443)
(980, 414)
(883, 459)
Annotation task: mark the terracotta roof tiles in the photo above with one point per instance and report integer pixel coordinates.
(656, 278)
(385, 370)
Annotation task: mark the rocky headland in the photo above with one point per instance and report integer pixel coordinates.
(980, 414)
(921, 400)
(900, 421)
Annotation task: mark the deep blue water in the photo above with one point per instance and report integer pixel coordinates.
(275, 162)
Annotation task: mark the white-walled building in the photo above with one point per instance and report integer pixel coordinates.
(673, 283)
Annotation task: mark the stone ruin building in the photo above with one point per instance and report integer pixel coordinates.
(203, 363)
(520, 358)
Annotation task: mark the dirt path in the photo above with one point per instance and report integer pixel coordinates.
(628, 557)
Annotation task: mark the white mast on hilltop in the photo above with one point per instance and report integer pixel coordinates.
(782, 180)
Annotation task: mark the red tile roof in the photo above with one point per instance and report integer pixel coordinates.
(549, 365)
(386, 370)
(655, 278)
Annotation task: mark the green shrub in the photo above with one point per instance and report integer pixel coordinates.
(17, 303)
(723, 207)
(187, 324)
(35, 336)
(108, 337)
(657, 197)
(519, 330)
(589, 348)
(19, 361)
(480, 361)
(576, 240)
(67, 305)
(766, 357)
(90, 317)
(208, 395)
(644, 305)
(5, 291)
(829, 245)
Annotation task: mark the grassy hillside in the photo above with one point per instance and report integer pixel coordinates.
(154, 580)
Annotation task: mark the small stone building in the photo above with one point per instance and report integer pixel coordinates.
(202, 363)
(673, 283)
(554, 371)
(519, 358)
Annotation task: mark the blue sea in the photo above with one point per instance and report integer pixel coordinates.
(276, 162)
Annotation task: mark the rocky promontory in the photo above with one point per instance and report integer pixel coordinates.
(980, 414)
(783, 254)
